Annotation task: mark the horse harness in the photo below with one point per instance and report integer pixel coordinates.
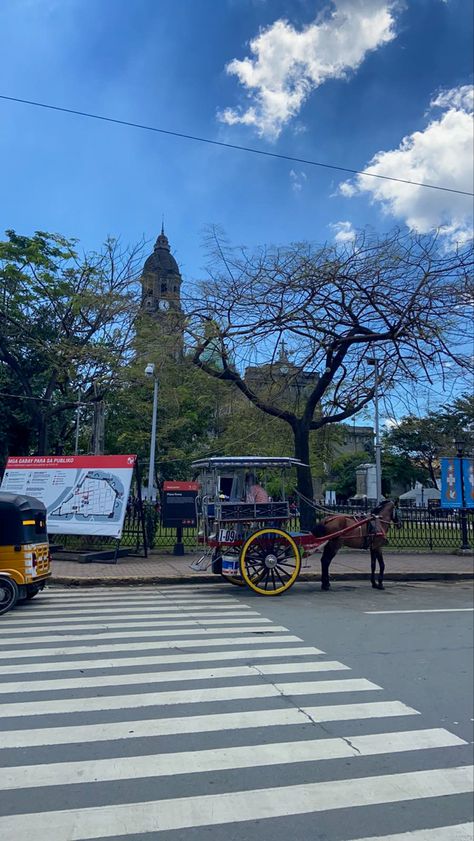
(375, 521)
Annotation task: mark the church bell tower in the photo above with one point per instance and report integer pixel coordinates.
(161, 283)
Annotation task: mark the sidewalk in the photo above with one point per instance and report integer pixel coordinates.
(165, 568)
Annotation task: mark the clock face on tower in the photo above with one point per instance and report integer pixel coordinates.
(164, 305)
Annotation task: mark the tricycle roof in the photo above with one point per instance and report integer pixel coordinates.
(236, 462)
(10, 503)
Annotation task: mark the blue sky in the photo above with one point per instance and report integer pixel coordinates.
(339, 82)
(164, 63)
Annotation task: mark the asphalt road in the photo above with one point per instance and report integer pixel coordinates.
(189, 713)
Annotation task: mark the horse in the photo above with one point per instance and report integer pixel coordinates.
(370, 535)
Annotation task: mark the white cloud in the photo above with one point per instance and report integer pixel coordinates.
(297, 180)
(287, 64)
(442, 153)
(460, 98)
(343, 231)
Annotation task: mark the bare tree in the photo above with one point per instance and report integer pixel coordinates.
(334, 308)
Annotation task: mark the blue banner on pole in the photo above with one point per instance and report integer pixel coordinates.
(468, 476)
(455, 471)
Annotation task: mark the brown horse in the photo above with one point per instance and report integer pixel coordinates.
(369, 535)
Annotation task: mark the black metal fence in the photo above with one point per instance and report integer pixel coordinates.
(430, 528)
(132, 535)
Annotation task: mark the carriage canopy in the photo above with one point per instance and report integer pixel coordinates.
(236, 462)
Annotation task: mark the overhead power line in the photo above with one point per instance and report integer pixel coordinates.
(234, 146)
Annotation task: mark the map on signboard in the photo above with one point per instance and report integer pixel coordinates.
(96, 495)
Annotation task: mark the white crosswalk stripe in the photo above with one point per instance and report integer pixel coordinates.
(156, 632)
(187, 696)
(208, 810)
(119, 609)
(143, 646)
(204, 724)
(104, 662)
(121, 603)
(168, 676)
(195, 762)
(209, 619)
(185, 685)
(457, 832)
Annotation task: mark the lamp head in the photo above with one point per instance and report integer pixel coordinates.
(150, 370)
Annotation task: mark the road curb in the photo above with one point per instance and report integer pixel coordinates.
(137, 580)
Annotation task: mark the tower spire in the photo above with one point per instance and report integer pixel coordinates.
(162, 241)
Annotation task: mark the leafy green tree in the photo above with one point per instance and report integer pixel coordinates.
(66, 325)
(425, 439)
(190, 414)
(396, 470)
(15, 418)
(400, 471)
(343, 473)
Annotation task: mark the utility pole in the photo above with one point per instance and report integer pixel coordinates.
(378, 446)
(465, 547)
(150, 372)
(78, 422)
(98, 429)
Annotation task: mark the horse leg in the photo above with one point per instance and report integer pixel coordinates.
(381, 569)
(328, 554)
(373, 563)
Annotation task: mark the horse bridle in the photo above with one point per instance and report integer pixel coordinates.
(396, 520)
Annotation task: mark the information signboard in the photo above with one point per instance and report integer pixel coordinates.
(179, 504)
(457, 475)
(83, 495)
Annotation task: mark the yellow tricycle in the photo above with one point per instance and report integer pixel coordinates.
(25, 561)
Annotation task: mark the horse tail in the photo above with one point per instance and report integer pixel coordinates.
(319, 530)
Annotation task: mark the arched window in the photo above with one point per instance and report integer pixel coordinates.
(163, 287)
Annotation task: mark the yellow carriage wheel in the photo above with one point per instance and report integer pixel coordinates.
(270, 561)
(237, 582)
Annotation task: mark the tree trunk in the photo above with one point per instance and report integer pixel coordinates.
(43, 430)
(305, 481)
(432, 472)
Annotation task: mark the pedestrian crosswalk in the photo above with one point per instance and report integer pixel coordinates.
(151, 713)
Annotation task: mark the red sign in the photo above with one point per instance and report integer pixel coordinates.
(50, 462)
(181, 486)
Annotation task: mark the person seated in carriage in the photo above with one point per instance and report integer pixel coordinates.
(254, 492)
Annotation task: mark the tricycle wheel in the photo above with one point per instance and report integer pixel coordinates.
(32, 590)
(270, 561)
(9, 593)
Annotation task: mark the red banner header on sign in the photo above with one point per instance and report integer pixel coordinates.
(180, 486)
(69, 462)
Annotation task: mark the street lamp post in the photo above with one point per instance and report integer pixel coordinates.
(465, 546)
(150, 372)
(378, 446)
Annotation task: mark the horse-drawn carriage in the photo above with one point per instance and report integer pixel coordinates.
(248, 534)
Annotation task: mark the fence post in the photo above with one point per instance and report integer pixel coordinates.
(178, 548)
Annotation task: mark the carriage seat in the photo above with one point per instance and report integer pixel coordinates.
(250, 511)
